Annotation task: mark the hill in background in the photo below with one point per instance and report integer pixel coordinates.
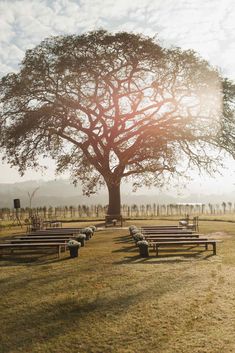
(61, 193)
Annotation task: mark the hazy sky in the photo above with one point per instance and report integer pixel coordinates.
(207, 26)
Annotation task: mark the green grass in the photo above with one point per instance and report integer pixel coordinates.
(109, 300)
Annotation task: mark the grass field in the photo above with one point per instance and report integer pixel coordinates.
(109, 300)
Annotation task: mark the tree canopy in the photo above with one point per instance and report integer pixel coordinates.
(110, 106)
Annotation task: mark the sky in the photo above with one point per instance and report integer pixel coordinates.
(207, 26)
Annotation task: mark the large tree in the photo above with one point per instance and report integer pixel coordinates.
(112, 106)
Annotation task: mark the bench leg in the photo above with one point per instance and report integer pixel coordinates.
(206, 246)
(59, 250)
(214, 248)
(157, 250)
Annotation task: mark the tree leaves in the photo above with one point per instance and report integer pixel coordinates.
(108, 106)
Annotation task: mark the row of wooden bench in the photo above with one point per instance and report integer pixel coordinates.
(172, 236)
(40, 240)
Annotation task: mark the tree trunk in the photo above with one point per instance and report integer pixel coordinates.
(114, 199)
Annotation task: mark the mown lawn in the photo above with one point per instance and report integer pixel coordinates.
(111, 301)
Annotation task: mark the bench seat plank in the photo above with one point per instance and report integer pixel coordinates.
(65, 228)
(177, 236)
(162, 227)
(44, 237)
(35, 241)
(68, 232)
(178, 240)
(170, 231)
(45, 234)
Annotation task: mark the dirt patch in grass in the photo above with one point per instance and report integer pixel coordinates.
(109, 300)
(219, 235)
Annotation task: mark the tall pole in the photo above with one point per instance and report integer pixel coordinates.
(30, 200)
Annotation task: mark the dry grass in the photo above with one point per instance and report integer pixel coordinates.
(111, 301)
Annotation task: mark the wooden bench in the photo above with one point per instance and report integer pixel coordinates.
(49, 233)
(43, 237)
(176, 236)
(65, 228)
(171, 239)
(153, 241)
(55, 231)
(35, 241)
(32, 246)
(195, 224)
(113, 219)
(174, 243)
(186, 222)
(170, 231)
(162, 227)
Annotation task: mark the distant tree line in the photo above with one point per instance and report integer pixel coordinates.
(134, 210)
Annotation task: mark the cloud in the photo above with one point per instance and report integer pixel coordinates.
(205, 25)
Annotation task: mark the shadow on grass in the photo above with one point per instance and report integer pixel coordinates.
(126, 249)
(35, 278)
(130, 241)
(173, 256)
(49, 321)
(31, 259)
(123, 239)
